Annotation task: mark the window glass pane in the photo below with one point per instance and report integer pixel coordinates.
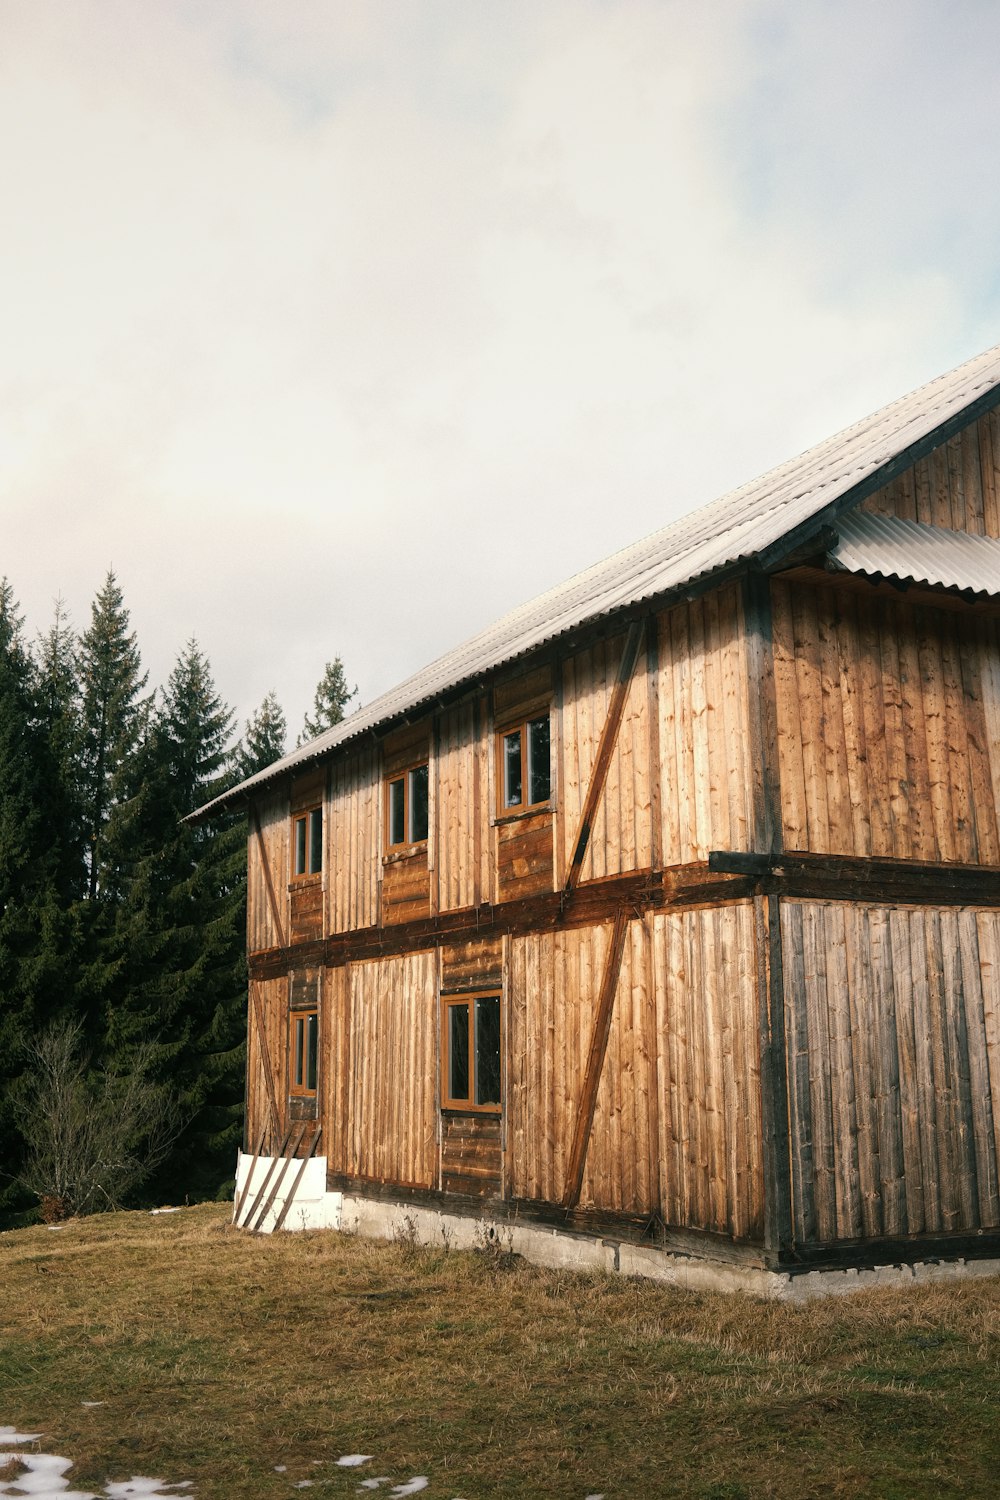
(298, 1067)
(488, 1049)
(312, 1028)
(538, 760)
(458, 1052)
(397, 822)
(315, 840)
(418, 804)
(300, 846)
(512, 769)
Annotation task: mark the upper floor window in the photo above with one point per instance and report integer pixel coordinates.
(470, 1043)
(525, 776)
(307, 842)
(407, 807)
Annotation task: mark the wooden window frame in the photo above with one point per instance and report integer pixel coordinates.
(404, 777)
(304, 817)
(520, 726)
(448, 1003)
(300, 1089)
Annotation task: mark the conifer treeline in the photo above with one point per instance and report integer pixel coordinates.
(114, 913)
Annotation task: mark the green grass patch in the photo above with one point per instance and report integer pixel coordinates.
(217, 1357)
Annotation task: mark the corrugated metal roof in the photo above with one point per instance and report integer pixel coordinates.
(742, 524)
(889, 547)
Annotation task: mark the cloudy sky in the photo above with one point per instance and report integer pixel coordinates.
(340, 326)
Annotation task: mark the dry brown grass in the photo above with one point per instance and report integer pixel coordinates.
(218, 1356)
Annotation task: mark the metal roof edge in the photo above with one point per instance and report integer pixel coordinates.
(766, 558)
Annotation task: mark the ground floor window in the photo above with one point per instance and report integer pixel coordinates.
(302, 1051)
(471, 1069)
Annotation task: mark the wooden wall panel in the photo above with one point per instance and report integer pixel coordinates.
(272, 997)
(353, 841)
(393, 1085)
(677, 1127)
(471, 1155)
(524, 856)
(406, 887)
(621, 837)
(335, 1067)
(893, 1038)
(273, 813)
(888, 718)
(549, 988)
(463, 808)
(703, 731)
(711, 1171)
(957, 486)
(305, 901)
(621, 1166)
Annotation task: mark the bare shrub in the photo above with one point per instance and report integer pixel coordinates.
(93, 1136)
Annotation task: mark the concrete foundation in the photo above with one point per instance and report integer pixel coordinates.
(313, 1207)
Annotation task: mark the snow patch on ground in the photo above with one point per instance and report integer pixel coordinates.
(43, 1476)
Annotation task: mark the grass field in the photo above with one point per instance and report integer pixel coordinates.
(216, 1357)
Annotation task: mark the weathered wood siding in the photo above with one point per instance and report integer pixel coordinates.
(272, 1007)
(893, 1041)
(703, 730)
(957, 486)
(472, 1155)
(888, 726)
(392, 1082)
(353, 840)
(621, 837)
(462, 837)
(406, 887)
(335, 1093)
(272, 846)
(711, 1171)
(677, 1125)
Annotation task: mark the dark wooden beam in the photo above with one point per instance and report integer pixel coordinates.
(726, 876)
(737, 862)
(595, 1060)
(766, 831)
(773, 1077)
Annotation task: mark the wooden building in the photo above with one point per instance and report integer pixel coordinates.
(666, 913)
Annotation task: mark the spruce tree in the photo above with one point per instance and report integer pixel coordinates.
(59, 716)
(179, 934)
(112, 712)
(36, 979)
(331, 699)
(263, 739)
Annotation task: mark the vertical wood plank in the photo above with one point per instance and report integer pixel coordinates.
(773, 1075)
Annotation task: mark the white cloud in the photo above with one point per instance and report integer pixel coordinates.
(344, 328)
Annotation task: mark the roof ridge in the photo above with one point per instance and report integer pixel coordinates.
(693, 546)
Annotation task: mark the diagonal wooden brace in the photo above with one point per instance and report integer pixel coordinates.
(602, 761)
(595, 1060)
